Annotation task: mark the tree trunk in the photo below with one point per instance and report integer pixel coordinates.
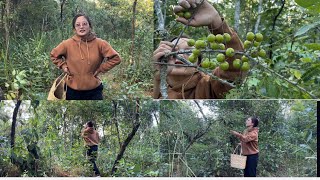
(273, 27)
(61, 9)
(13, 126)
(116, 120)
(133, 31)
(237, 15)
(128, 139)
(256, 27)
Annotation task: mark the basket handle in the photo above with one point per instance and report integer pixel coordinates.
(236, 149)
(64, 76)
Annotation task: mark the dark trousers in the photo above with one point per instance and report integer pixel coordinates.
(251, 165)
(94, 94)
(92, 153)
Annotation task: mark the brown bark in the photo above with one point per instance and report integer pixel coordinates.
(133, 30)
(116, 120)
(128, 139)
(61, 9)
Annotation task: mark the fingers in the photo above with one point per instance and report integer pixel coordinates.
(164, 48)
(66, 70)
(185, 4)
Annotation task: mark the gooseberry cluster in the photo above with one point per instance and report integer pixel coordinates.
(218, 42)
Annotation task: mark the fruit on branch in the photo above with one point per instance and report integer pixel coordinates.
(180, 14)
(245, 66)
(236, 63)
(227, 37)
(214, 46)
(262, 53)
(211, 38)
(191, 42)
(259, 37)
(221, 57)
(222, 46)
(250, 36)
(254, 54)
(244, 59)
(192, 58)
(219, 38)
(256, 44)
(200, 44)
(247, 44)
(224, 66)
(205, 63)
(213, 65)
(196, 52)
(230, 52)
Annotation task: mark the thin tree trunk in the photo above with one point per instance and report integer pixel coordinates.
(133, 31)
(13, 126)
(256, 27)
(129, 138)
(116, 120)
(237, 15)
(61, 9)
(274, 25)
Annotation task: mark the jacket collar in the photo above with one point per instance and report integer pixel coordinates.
(90, 37)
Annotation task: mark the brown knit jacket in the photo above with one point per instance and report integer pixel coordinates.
(83, 57)
(197, 85)
(90, 136)
(249, 141)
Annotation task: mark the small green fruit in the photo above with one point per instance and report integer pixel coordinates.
(224, 66)
(222, 46)
(192, 58)
(214, 46)
(256, 44)
(227, 37)
(211, 38)
(245, 66)
(205, 63)
(236, 63)
(180, 14)
(196, 52)
(262, 53)
(191, 42)
(244, 59)
(187, 15)
(230, 52)
(247, 44)
(200, 44)
(220, 57)
(259, 37)
(212, 65)
(254, 54)
(219, 38)
(250, 36)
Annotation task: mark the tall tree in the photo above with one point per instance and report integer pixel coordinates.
(13, 126)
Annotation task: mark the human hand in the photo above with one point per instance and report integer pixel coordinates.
(206, 14)
(66, 70)
(164, 48)
(234, 132)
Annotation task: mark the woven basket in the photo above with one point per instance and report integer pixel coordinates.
(58, 90)
(238, 161)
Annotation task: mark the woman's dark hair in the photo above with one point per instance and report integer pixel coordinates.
(90, 124)
(76, 17)
(255, 121)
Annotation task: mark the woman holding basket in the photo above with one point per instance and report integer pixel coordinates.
(249, 145)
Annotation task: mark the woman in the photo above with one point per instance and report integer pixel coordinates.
(249, 145)
(92, 139)
(83, 57)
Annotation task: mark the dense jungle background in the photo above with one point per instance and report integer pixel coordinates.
(30, 29)
(196, 139)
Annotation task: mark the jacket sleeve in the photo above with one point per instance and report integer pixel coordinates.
(58, 54)
(111, 56)
(251, 136)
(231, 75)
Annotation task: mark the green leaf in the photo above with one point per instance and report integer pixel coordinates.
(313, 71)
(307, 3)
(306, 60)
(313, 46)
(306, 28)
(297, 74)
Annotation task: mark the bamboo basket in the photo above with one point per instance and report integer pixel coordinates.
(237, 160)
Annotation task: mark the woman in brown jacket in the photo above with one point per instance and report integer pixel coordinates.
(249, 145)
(83, 57)
(92, 139)
(187, 82)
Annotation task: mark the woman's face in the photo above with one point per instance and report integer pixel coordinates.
(249, 122)
(82, 27)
